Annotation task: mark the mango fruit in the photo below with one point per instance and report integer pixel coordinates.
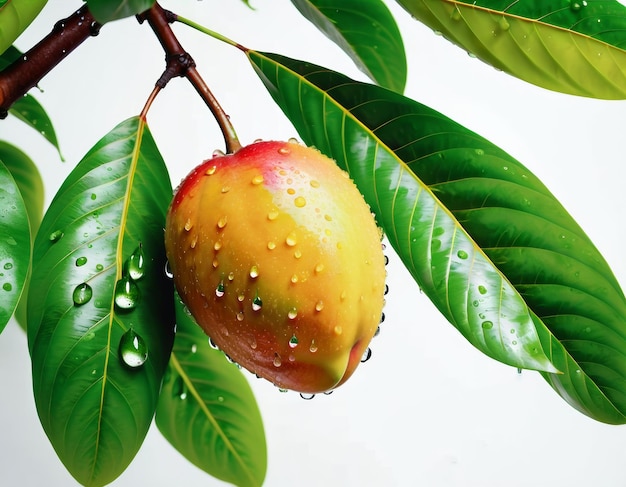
(279, 260)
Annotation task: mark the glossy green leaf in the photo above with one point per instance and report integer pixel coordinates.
(367, 32)
(90, 316)
(571, 46)
(15, 16)
(486, 241)
(207, 410)
(30, 111)
(15, 241)
(108, 10)
(30, 185)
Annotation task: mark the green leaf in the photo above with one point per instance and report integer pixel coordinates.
(8, 56)
(207, 410)
(571, 46)
(33, 114)
(30, 185)
(486, 241)
(98, 296)
(15, 16)
(15, 241)
(367, 32)
(108, 10)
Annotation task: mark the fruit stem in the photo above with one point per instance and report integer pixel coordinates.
(26, 71)
(206, 30)
(180, 63)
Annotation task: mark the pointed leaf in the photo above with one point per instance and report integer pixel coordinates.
(483, 237)
(108, 10)
(92, 313)
(207, 410)
(571, 46)
(30, 185)
(30, 111)
(15, 16)
(367, 32)
(15, 241)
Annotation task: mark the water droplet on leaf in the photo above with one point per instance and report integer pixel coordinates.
(82, 294)
(135, 264)
(126, 293)
(133, 349)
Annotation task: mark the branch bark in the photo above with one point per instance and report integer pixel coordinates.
(27, 71)
(180, 63)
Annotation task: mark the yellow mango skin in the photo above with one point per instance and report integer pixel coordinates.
(278, 258)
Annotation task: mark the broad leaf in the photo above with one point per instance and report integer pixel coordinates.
(30, 185)
(15, 241)
(482, 236)
(571, 46)
(366, 31)
(108, 10)
(15, 16)
(207, 410)
(98, 301)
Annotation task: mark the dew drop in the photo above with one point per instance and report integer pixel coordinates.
(225, 189)
(487, 325)
(188, 225)
(231, 276)
(293, 312)
(306, 396)
(272, 215)
(277, 360)
(219, 290)
(503, 23)
(126, 293)
(300, 202)
(314, 183)
(8, 266)
(136, 264)
(291, 239)
(180, 389)
(293, 341)
(271, 245)
(99, 267)
(257, 303)
(210, 171)
(7, 286)
(319, 268)
(221, 223)
(294, 278)
(194, 348)
(133, 349)
(256, 180)
(56, 236)
(366, 355)
(254, 272)
(482, 289)
(461, 254)
(239, 316)
(313, 347)
(82, 294)
(338, 330)
(297, 254)
(240, 298)
(319, 306)
(168, 271)
(283, 150)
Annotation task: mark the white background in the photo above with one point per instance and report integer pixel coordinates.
(427, 409)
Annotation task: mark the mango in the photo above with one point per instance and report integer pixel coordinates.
(279, 260)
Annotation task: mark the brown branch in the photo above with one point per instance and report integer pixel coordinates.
(28, 70)
(180, 63)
